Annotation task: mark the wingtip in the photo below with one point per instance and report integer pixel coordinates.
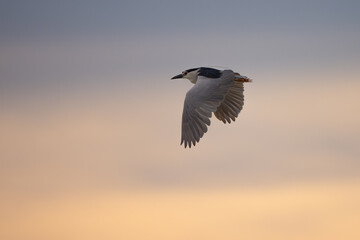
(188, 143)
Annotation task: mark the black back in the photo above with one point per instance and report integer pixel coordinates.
(207, 72)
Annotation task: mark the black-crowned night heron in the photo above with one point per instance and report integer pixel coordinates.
(215, 91)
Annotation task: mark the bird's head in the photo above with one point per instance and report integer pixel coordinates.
(193, 73)
(190, 74)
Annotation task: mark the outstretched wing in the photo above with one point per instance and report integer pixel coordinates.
(233, 102)
(201, 100)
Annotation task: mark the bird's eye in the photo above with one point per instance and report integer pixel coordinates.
(184, 73)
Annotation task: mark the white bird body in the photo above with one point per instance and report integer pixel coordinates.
(214, 91)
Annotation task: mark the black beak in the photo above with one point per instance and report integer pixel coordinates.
(177, 76)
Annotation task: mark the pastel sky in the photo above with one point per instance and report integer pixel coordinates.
(90, 120)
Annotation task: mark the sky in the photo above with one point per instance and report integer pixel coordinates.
(90, 120)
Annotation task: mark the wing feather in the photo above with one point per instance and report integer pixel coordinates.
(204, 98)
(232, 104)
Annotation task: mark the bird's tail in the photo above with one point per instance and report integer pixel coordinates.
(240, 78)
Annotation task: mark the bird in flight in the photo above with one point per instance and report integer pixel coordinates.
(215, 91)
